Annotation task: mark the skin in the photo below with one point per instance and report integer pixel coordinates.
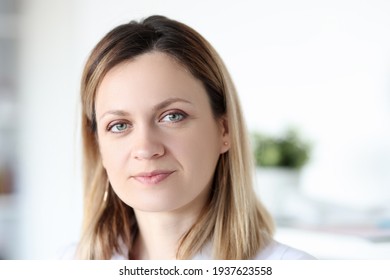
(160, 145)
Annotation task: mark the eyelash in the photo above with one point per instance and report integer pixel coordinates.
(112, 125)
(180, 113)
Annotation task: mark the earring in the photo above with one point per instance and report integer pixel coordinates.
(106, 191)
(225, 143)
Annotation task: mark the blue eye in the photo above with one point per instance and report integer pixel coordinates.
(118, 127)
(173, 117)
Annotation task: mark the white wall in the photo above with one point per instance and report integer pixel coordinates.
(49, 180)
(321, 65)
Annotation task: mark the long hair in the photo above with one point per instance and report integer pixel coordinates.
(233, 220)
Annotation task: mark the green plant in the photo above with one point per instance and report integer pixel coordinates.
(288, 151)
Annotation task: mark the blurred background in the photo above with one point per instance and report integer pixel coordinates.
(314, 82)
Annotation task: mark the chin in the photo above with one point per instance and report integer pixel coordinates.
(153, 208)
(153, 204)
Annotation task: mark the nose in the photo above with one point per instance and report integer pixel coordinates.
(147, 144)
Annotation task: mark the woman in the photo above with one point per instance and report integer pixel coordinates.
(166, 155)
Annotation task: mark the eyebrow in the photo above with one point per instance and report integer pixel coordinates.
(157, 107)
(168, 102)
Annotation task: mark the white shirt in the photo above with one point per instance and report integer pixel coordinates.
(279, 251)
(274, 251)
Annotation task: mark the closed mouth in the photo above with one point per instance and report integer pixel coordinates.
(152, 178)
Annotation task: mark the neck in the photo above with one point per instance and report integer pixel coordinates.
(160, 234)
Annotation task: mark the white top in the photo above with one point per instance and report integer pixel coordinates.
(274, 251)
(279, 251)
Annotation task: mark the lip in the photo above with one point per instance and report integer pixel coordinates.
(152, 178)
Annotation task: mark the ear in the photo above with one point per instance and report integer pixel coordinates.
(225, 136)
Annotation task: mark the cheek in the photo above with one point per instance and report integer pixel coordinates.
(114, 159)
(197, 150)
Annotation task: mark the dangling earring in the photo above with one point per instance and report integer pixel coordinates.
(106, 191)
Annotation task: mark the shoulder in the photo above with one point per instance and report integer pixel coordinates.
(273, 251)
(279, 251)
(69, 253)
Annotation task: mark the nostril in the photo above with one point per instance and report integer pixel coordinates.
(149, 151)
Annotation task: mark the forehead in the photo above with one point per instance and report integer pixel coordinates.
(157, 64)
(148, 78)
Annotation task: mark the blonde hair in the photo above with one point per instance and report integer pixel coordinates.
(234, 221)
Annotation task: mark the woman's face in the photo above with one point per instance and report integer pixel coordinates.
(158, 138)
